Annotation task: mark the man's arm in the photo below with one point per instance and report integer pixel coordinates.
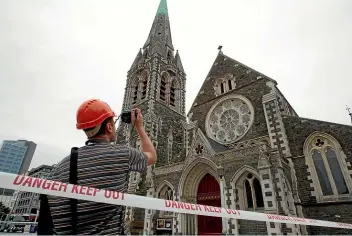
(146, 144)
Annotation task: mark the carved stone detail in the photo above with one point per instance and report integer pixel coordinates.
(168, 169)
(200, 147)
(229, 119)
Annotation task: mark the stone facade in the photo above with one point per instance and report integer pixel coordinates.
(242, 131)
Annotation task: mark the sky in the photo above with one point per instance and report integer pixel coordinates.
(56, 54)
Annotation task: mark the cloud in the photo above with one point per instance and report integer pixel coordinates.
(56, 54)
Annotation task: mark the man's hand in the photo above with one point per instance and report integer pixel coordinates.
(137, 118)
(146, 144)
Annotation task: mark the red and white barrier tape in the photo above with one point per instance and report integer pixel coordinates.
(43, 186)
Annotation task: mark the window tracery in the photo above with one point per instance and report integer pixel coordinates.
(169, 89)
(163, 83)
(225, 84)
(139, 87)
(249, 192)
(144, 88)
(199, 149)
(172, 93)
(135, 92)
(328, 166)
(166, 193)
(253, 192)
(229, 119)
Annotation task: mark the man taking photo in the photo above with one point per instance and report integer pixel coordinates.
(103, 165)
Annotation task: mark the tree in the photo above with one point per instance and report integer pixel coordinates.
(4, 210)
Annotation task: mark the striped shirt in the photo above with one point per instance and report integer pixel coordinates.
(100, 165)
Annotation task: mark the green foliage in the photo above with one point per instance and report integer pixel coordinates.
(4, 210)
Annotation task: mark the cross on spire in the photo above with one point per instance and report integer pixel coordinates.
(349, 112)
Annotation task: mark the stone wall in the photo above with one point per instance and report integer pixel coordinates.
(221, 67)
(329, 212)
(249, 227)
(298, 130)
(254, 93)
(175, 122)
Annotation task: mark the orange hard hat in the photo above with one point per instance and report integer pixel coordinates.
(92, 113)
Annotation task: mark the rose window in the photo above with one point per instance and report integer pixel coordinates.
(229, 120)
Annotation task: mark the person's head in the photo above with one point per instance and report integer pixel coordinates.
(96, 119)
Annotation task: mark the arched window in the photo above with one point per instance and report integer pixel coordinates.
(163, 82)
(165, 193)
(172, 93)
(229, 82)
(139, 87)
(222, 87)
(328, 166)
(144, 88)
(135, 92)
(169, 89)
(249, 195)
(253, 193)
(225, 84)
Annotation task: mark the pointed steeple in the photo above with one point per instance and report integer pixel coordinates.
(137, 59)
(178, 61)
(159, 39)
(162, 9)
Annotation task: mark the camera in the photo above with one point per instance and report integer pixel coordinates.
(126, 117)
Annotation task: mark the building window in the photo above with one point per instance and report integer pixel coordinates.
(328, 166)
(249, 190)
(253, 192)
(172, 93)
(135, 93)
(163, 82)
(139, 87)
(169, 90)
(229, 119)
(225, 84)
(167, 193)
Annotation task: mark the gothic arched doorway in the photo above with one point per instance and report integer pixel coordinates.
(209, 194)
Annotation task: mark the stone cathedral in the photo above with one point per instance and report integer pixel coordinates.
(241, 146)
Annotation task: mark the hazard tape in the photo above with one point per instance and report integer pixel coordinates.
(43, 186)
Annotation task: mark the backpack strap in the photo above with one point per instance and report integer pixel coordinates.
(45, 221)
(73, 179)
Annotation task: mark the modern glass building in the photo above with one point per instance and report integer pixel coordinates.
(16, 156)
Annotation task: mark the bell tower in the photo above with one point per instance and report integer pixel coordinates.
(156, 84)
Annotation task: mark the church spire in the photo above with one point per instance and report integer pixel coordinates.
(159, 39)
(162, 9)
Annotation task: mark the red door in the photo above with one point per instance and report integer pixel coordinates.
(209, 194)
